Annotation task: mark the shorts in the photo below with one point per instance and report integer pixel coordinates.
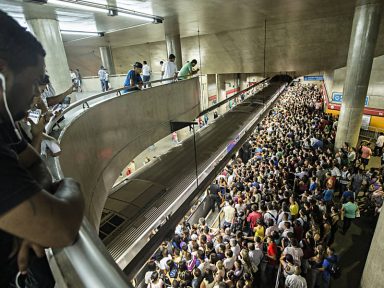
(364, 161)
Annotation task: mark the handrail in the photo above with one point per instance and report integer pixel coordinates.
(100, 270)
(278, 277)
(217, 219)
(113, 75)
(213, 107)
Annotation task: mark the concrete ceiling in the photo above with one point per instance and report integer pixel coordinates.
(308, 35)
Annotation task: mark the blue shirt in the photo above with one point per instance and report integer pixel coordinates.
(313, 186)
(327, 195)
(346, 195)
(327, 265)
(136, 80)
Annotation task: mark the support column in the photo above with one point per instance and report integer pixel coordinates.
(107, 60)
(173, 44)
(48, 33)
(221, 95)
(172, 39)
(365, 27)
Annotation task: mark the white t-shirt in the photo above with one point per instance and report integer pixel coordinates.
(296, 252)
(380, 141)
(163, 262)
(170, 69)
(146, 70)
(295, 281)
(147, 277)
(228, 263)
(256, 256)
(229, 213)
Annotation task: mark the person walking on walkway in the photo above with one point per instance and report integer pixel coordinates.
(146, 74)
(102, 77)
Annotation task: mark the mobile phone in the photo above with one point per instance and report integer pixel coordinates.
(34, 115)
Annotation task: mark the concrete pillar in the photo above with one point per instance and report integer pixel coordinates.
(48, 33)
(373, 274)
(107, 60)
(211, 87)
(173, 44)
(221, 95)
(365, 27)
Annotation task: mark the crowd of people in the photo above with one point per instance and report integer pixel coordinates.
(279, 206)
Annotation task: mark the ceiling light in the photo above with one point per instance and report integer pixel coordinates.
(136, 16)
(109, 10)
(74, 5)
(69, 32)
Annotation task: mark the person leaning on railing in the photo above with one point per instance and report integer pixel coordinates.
(34, 212)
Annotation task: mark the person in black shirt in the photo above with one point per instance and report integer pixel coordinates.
(32, 209)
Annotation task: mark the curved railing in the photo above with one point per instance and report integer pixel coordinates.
(87, 263)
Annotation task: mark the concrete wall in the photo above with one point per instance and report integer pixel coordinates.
(305, 45)
(373, 275)
(328, 80)
(99, 143)
(376, 83)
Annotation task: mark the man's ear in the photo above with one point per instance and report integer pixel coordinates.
(4, 69)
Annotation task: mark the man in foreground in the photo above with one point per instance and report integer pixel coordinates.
(34, 212)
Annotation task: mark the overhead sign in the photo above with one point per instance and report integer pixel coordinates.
(337, 97)
(314, 78)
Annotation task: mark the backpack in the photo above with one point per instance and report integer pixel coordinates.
(173, 271)
(334, 269)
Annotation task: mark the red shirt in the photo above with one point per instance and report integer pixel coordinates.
(272, 251)
(253, 217)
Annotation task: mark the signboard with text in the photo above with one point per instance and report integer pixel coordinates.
(337, 97)
(314, 78)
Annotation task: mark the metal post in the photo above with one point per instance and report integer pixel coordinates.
(265, 41)
(194, 146)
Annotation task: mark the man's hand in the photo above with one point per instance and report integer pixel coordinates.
(23, 254)
(37, 129)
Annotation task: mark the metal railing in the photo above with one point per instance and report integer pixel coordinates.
(218, 219)
(372, 133)
(277, 283)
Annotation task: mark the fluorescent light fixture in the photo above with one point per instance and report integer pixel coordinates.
(69, 32)
(109, 10)
(74, 5)
(136, 16)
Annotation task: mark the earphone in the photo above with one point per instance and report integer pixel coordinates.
(3, 84)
